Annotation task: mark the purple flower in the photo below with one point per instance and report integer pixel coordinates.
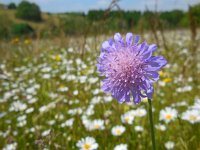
(129, 68)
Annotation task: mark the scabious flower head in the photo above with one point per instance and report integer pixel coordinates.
(129, 68)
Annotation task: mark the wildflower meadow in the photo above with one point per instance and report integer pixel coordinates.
(112, 91)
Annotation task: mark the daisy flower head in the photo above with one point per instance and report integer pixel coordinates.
(127, 118)
(192, 116)
(12, 146)
(121, 147)
(97, 124)
(169, 145)
(168, 114)
(139, 128)
(140, 112)
(88, 143)
(160, 127)
(118, 130)
(129, 68)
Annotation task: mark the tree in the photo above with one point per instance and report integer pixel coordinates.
(28, 11)
(195, 10)
(12, 6)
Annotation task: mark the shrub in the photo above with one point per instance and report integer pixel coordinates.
(195, 10)
(22, 29)
(4, 26)
(28, 11)
(12, 6)
(74, 25)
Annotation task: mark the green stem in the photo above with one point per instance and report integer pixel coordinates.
(151, 125)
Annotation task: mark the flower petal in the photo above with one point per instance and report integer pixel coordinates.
(153, 75)
(152, 47)
(106, 46)
(129, 38)
(146, 55)
(149, 92)
(142, 48)
(136, 39)
(118, 39)
(149, 50)
(155, 63)
(137, 98)
(136, 95)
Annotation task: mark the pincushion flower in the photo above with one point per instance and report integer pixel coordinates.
(129, 68)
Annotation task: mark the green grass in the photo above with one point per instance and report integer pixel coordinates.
(26, 64)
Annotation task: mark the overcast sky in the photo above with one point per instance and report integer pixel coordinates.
(85, 5)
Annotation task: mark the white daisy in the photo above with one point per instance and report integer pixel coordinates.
(97, 124)
(193, 116)
(168, 114)
(140, 112)
(169, 145)
(17, 106)
(121, 147)
(68, 123)
(196, 104)
(160, 127)
(46, 132)
(127, 118)
(139, 128)
(118, 130)
(88, 143)
(12, 146)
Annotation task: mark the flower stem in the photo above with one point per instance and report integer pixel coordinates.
(151, 125)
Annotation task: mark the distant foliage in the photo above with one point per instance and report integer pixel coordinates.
(22, 29)
(74, 24)
(196, 13)
(4, 26)
(99, 21)
(95, 15)
(172, 18)
(28, 11)
(12, 6)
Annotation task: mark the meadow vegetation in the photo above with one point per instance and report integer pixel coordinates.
(50, 90)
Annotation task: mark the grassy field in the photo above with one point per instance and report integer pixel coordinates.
(47, 19)
(51, 97)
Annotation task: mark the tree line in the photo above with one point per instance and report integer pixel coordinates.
(96, 21)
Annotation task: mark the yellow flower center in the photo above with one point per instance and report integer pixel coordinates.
(193, 118)
(86, 146)
(126, 119)
(161, 73)
(168, 116)
(166, 80)
(27, 41)
(118, 131)
(57, 58)
(97, 126)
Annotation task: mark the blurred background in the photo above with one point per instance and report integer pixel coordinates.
(50, 18)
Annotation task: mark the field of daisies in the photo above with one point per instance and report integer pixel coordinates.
(51, 98)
